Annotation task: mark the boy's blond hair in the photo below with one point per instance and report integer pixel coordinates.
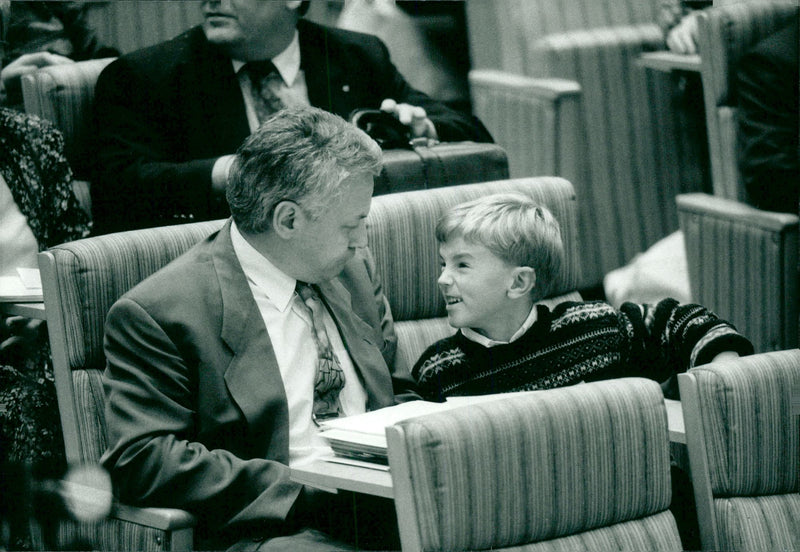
(514, 228)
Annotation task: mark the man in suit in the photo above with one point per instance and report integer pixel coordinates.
(167, 117)
(768, 118)
(211, 362)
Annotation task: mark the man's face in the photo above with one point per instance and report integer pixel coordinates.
(328, 243)
(238, 23)
(474, 282)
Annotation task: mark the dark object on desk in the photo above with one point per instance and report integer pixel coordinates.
(436, 166)
(383, 127)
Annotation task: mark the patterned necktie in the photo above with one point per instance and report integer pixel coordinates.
(330, 378)
(265, 82)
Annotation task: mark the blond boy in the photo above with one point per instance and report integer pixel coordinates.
(500, 255)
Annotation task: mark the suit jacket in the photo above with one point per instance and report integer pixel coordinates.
(196, 410)
(768, 116)
(163, 115)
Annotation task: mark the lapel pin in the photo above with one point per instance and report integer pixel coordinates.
(346, 88)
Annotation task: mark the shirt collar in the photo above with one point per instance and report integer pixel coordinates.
(277, 285)
(472, 335)
(287, 62)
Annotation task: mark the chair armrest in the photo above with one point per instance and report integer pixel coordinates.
(706, 205)
(535, 120)
(166, 519)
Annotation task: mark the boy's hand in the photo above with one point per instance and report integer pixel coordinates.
(725, 355)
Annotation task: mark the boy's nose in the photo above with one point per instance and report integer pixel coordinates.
(444, 279)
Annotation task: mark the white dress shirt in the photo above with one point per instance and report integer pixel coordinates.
(290, 333)
(472, 335)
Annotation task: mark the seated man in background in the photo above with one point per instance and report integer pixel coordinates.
(500, 256)
(220, 364)
(42, 34)
(768, 99)
(168, 117)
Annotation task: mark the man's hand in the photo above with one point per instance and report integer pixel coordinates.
(26, 63)
(413, 117)
(20, 337)
(682, 38)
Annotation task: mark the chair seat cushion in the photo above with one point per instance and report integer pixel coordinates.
(759, 522)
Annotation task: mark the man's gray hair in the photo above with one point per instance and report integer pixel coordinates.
(300, 154)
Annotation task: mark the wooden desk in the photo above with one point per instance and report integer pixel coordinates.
(333, 476)
(28, 310)
(669, 61)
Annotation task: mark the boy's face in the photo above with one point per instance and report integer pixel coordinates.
(475, 284)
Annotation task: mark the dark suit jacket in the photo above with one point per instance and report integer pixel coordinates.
(196, 409)
(768, 92)
(164, 114)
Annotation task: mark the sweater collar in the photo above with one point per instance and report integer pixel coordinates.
(472, 335)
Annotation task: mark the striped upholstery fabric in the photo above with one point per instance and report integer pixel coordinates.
(569, 461)
(109, 535)
(759, 522)
(64, 94)
(631, 151)
(751, 447)
(513, 24)
(725, 34)
(752, 444)
(743, 265)
(95, 272)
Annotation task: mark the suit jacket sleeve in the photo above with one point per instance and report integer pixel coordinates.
(144, 175)
(154, 456)
(767, 94)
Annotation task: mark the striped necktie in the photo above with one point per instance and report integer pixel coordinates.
(265, 82)
(329, 380)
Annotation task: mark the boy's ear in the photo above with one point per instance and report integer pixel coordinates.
(523, 282)
(285, 218)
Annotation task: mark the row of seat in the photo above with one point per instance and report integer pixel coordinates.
(622, 423)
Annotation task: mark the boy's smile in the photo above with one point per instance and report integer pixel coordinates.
(475, 284)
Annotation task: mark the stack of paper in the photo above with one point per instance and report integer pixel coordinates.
(25, 287)
(363, 436)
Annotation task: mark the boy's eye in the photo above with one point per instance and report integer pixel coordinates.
(463, 265)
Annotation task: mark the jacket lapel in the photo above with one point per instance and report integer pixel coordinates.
(252, 377)
(359, 339)
(325, 78)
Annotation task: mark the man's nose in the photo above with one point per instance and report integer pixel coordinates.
(359, 236)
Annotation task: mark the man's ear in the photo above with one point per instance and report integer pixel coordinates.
(286, 218)
(293, 4)
(524, 280)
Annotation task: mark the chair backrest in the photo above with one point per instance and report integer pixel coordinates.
(744, 449)
(510, 26)
(725, 33)
(64, 94)
(584, 467)
(82, 279)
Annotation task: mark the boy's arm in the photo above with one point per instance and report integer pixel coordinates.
(685, 335)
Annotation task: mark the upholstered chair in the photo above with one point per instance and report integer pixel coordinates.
(743, 436)
(742, 261)
(584, 467)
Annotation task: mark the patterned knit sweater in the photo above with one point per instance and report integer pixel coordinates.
(580, 341)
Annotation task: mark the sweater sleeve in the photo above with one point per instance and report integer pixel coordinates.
(687, 335)
(434, 368)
